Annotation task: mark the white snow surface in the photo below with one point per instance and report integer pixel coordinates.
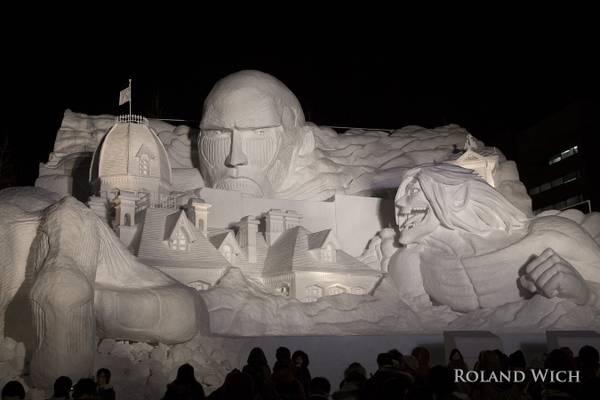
(238, 307)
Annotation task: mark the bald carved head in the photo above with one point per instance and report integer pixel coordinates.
(252, 128)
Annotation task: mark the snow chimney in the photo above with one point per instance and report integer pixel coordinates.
(198, 209)
(247, 237)
(274, 225)
(291, 219)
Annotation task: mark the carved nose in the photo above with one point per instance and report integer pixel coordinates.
(236, 156)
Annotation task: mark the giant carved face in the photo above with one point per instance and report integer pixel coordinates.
(250, 131)
(414, 215)
(455, 198)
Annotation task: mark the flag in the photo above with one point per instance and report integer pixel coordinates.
(125, 95)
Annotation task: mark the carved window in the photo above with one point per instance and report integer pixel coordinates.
(127, 219)
(314, 291)
(285, 290)
(227, 252)
(178, 241)
(357, 290)
(328, 253)
(199, 285)
(336, 289)
(144, 165)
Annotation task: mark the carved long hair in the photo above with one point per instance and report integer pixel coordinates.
(461, 200)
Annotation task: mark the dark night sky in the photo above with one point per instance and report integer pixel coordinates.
(490, 98)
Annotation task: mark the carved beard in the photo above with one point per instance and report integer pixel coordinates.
(243, 185)
(269, 159)
(260, 151)
(280, 170)
(251, 177)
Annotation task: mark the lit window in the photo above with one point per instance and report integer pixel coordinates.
(570, 177)
(554, 160)
(571, 151)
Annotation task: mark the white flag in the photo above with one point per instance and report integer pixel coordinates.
(125, 95)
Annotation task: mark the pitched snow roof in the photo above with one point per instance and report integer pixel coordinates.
(217, 239)
(118, 153)
(180, 221)
(317, 240)
(154, 251)
(291, 252)
(144, 150)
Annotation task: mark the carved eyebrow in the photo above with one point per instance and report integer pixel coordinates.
(214, 128)
(253, 128)
(410, 186)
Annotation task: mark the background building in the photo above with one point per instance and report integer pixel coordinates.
(558, 161)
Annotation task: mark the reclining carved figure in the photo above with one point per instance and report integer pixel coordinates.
(468, 247)
(84, 285)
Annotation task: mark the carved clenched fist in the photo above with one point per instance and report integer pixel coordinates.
(553, 276)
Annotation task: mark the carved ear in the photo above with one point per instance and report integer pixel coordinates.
(308, 141)
(461, 196)
(288, 118)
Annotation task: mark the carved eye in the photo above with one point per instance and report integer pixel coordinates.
(260, 132)
(214, 133)
(414, 190)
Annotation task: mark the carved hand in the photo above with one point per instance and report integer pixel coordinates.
(553, 276)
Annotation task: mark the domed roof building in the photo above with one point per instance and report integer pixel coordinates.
(131, 157)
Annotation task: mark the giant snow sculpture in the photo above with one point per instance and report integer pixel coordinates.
(254, 139)
(467, 247)
(470, 255)
(82, 283)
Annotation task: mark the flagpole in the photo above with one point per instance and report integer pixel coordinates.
(130, 99)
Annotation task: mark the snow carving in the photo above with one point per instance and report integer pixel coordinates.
(254, 139)
(82, 283)
(248, 229)
(468, 247)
